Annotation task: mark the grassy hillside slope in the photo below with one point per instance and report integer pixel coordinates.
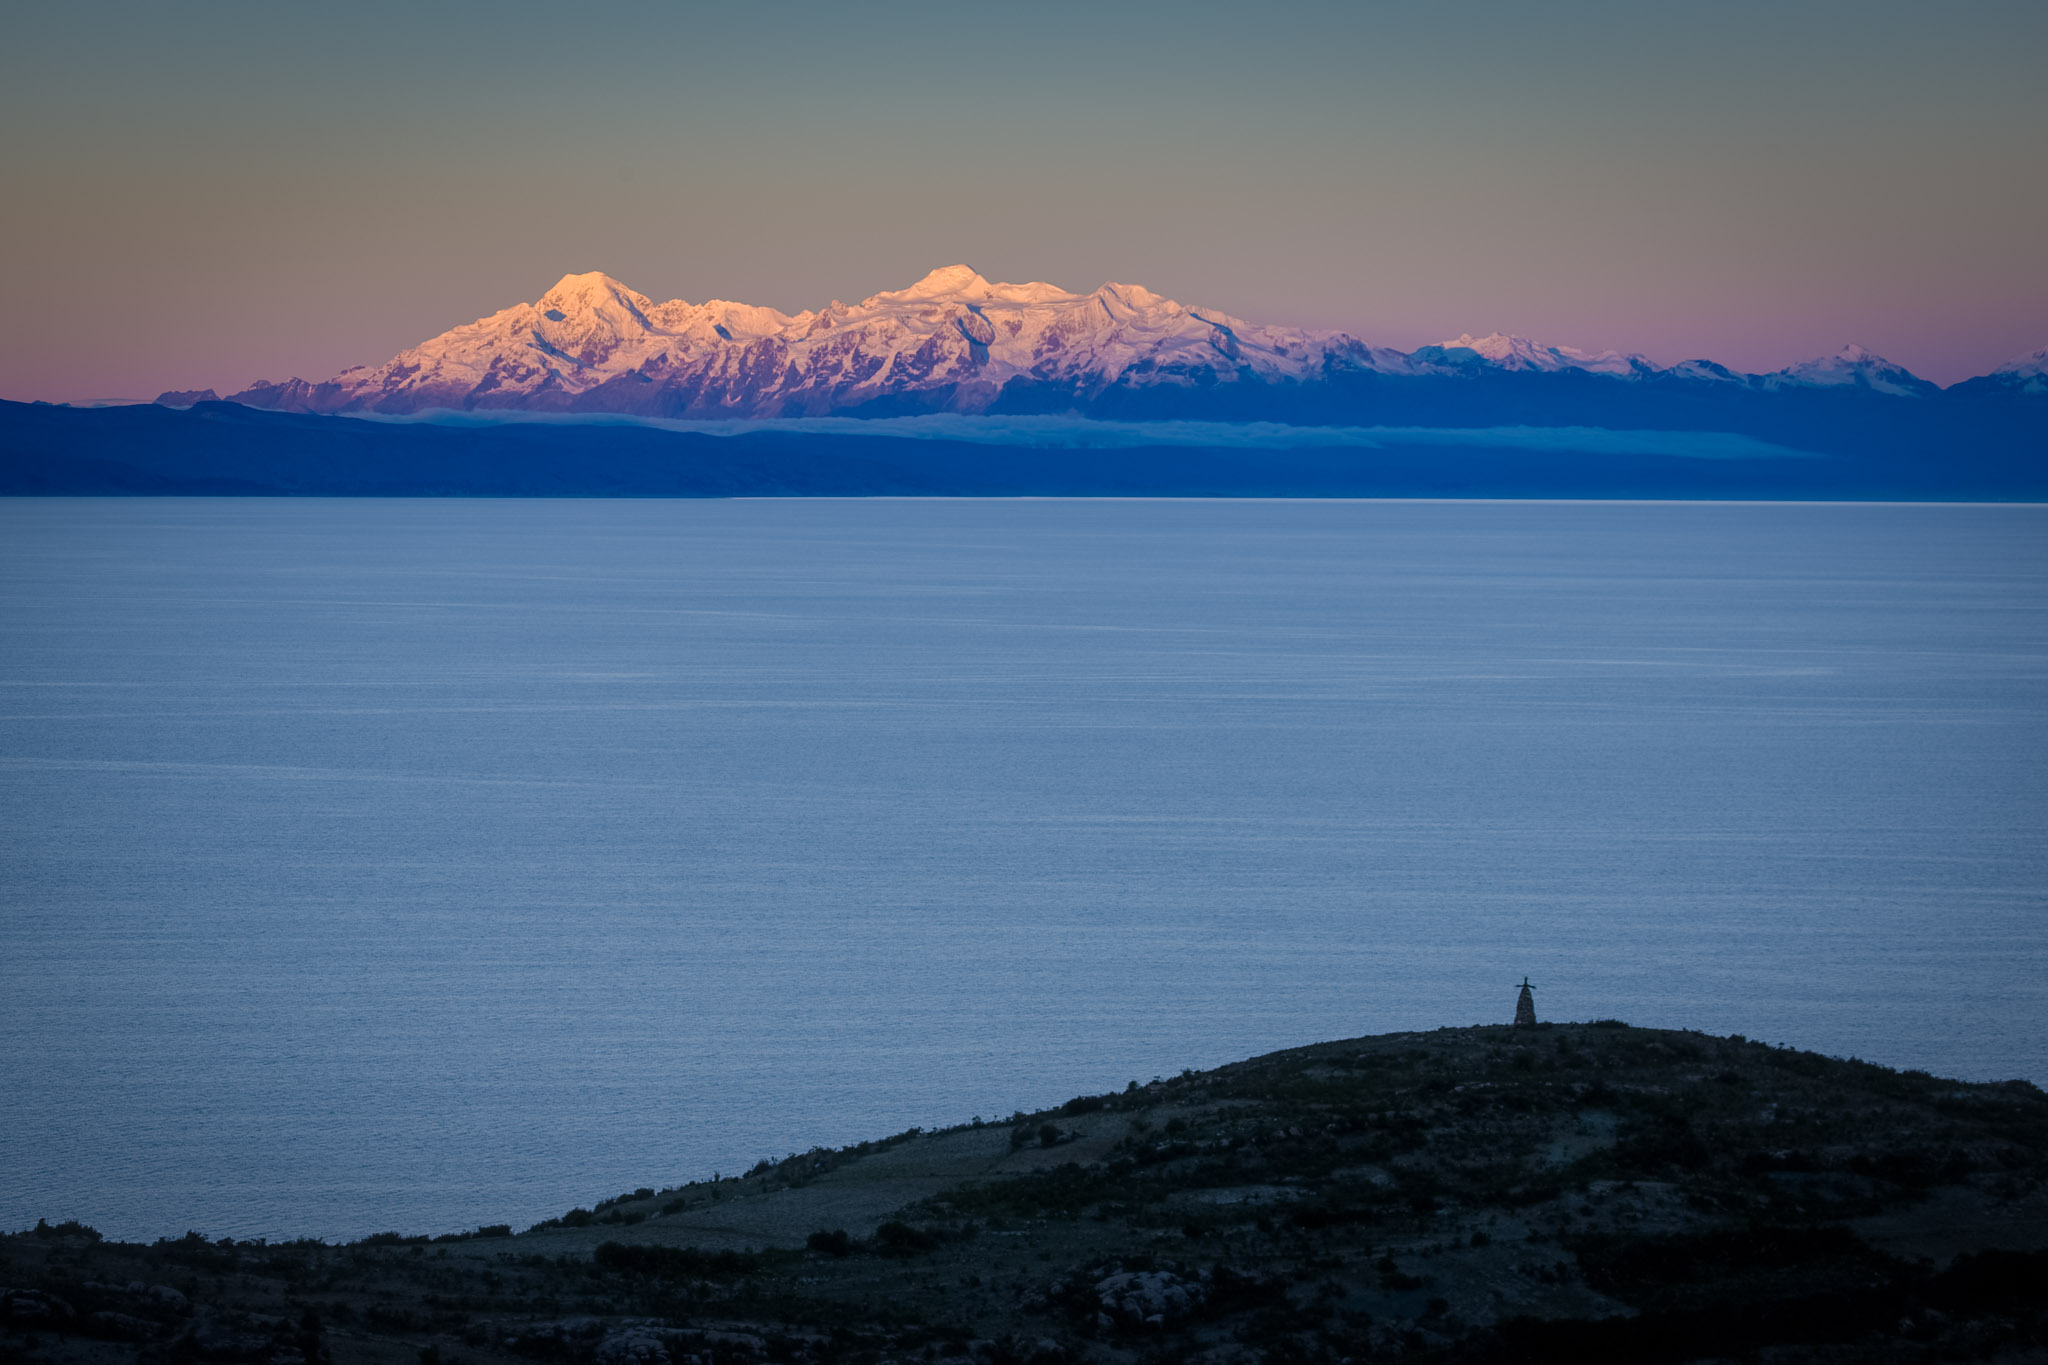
(1567, 1192)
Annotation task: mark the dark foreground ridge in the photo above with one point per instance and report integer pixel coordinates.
(1567, 1192)
(1804, 446)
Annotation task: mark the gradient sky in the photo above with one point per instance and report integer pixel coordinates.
(207, 194)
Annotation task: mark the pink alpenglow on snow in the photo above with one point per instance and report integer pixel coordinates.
(951, 342)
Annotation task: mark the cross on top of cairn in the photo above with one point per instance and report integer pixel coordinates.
(1525, 1006)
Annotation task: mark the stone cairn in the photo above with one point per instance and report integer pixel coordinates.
(1525, 1006)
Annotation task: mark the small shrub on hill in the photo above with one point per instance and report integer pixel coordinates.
(70, 1227)
(833, 1243)
(901, 1239)
(676, 1263)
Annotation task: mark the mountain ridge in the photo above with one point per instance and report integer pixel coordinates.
(955, 341)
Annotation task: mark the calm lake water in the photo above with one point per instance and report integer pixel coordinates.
(419, 864)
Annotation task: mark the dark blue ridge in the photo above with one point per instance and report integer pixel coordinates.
(1858, 445)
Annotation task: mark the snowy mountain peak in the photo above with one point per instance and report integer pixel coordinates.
(2026, 365)
(949, 282)
(1497, 347)
(1135, 296)
(592, 289)
(965, 285)
(579, 282)
(2026, 372)
(1850, 357)
(1520, 353)
(1705, 372)
(1852, 366)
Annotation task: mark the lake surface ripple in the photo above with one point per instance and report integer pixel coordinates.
(418, 864)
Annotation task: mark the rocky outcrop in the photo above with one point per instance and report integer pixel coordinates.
(1146, 1298)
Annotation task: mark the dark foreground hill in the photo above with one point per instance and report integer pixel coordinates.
(1847, 446)
(1576, 1192)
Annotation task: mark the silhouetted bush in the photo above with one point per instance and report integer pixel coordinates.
(487, 1230)
(675, 1263)
(1048, 1135)
(901, 1239)
(70, 1227)
(833, 1243)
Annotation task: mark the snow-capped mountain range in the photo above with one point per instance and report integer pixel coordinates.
(952, 342)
